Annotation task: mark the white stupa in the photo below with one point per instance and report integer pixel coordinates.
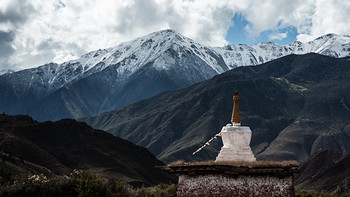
(236, 138)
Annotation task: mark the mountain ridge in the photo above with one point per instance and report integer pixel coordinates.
(65, 145)
(290, 95)
(136, 70)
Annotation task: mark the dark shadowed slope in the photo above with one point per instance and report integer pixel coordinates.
(66, 145)
(294, 106)
(324, 170)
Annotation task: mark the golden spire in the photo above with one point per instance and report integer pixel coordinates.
(236, 117)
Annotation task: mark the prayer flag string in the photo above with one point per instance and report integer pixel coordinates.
(207, 143)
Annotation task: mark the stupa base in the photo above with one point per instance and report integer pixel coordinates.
(234, 154)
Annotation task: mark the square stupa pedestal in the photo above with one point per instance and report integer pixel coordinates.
(236, 140)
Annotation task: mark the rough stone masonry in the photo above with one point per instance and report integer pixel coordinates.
(256, 178)
(235, 185)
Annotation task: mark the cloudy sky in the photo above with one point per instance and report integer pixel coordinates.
(35, 32)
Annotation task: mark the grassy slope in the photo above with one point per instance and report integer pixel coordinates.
(325, 170)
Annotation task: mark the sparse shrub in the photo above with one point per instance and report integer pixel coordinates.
(161, 190)
(120, 189)
(304, 193)
(346, 185)
(38, 185)
(89, 185)
(37, 179)
(80, 183)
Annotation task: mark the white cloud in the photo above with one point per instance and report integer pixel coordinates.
(61, 30)
(273, 14)
(58, 30)
(328, 16)
(277, 36)
(312, 18)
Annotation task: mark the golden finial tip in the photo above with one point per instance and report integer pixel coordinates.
(236, 117)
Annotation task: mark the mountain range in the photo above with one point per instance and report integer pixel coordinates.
(294, 105)
(60, 147)
(109, 79)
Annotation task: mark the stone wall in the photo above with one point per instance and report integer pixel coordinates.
(230, 178)
(235, 185)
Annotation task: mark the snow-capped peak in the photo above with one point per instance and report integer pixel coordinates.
(126, 58)
(145, 49)
(243, 55)
(162, 48)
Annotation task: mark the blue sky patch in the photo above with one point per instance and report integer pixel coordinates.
(237, 34)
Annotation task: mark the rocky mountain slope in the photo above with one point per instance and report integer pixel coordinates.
(6, 71)
(245, 55)
(325, 170)
(294, 105)
(59, 147)
(108, 79)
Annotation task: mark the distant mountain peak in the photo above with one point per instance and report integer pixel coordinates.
(165, 32)
(159, 56)
(330, 35)
(5, 71)
(168, 36)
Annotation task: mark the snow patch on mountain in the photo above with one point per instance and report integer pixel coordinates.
(5, 71)
(162, 49)
(245, 55)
